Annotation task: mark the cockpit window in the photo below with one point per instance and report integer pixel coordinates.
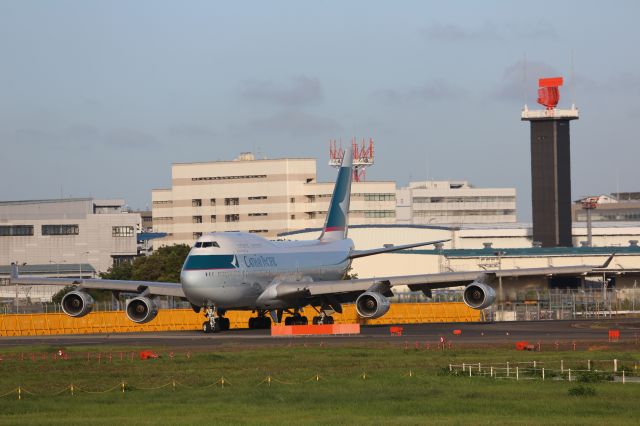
(210, 244)
(198, 244)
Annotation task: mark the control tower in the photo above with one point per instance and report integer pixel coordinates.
(551, 166)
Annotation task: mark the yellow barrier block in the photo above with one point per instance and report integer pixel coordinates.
(186, 319)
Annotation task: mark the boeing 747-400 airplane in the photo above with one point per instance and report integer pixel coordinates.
(243, 271)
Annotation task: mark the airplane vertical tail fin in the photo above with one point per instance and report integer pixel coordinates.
(337, 222)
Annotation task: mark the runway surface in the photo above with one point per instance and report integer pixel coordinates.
(563, 332)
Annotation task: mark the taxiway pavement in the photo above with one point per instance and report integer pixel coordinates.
(563, 332)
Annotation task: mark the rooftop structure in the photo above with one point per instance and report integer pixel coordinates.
(622, 207)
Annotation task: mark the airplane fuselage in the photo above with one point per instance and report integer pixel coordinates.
(232, 270)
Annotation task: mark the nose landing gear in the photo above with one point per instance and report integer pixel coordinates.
(215, 321)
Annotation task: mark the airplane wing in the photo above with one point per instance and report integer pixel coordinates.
(362, 253)
(151, 287)
(425, 282)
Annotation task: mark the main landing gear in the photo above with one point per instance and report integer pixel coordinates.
(262, 321)
(296, 319)
(215, 321)
(322, 319)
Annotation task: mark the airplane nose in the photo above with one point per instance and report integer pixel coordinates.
(187, 279)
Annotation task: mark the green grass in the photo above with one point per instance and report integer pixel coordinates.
(387, 396)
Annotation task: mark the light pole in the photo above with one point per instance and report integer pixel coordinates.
(84, 252)
(500, 253)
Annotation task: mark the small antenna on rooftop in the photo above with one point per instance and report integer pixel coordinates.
(571, 78)
(524, 79)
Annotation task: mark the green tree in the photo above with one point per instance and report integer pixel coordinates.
(163, 265)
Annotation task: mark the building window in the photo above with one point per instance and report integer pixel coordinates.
(260, 197)
(229, 177)
(121, 259)
(212, 201)
(213, 218)
(379, 197)
(258, 231)
(258, 214)
(232, 218)
(292, 199)
(60, 230)
(231, 201)
(311, 215)
(379, 213)
(16, 230)
(196, 219)
(122, 231)
(197, 235)
(293, 216)
(196, 202)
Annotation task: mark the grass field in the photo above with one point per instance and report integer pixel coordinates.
(389, 393)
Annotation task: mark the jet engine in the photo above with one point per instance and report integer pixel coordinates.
(141, 309)
(478, 295)
(77, 303)
(371, 304)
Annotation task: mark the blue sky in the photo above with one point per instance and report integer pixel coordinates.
(100, 97)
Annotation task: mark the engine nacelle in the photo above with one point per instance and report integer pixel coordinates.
(371, 304)
(141, 309)
(77, 303)
(479, 295)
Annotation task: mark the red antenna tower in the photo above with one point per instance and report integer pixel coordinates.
(362, 157)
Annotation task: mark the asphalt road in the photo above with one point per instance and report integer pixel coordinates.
(503, 333)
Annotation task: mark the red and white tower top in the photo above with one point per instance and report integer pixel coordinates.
(548, 96)
(362, 157)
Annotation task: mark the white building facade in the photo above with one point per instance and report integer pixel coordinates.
(454, 203)
(62, 232)
(267, 197)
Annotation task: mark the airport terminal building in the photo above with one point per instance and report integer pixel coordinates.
(66, 237)
(481, 247)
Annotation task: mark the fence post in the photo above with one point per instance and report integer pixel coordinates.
(623, 377)
(450, 368)
(479, 368)
(507, 368)
(543, 374)
(615, 365)
(491, 372)
(534, 364)
(469, 371)
(517, 373)
(569, 374)
(589, 364)
(562, 366)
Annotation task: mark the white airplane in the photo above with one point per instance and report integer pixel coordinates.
(243, 271)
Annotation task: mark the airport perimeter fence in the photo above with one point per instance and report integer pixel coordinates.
(590, 371)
